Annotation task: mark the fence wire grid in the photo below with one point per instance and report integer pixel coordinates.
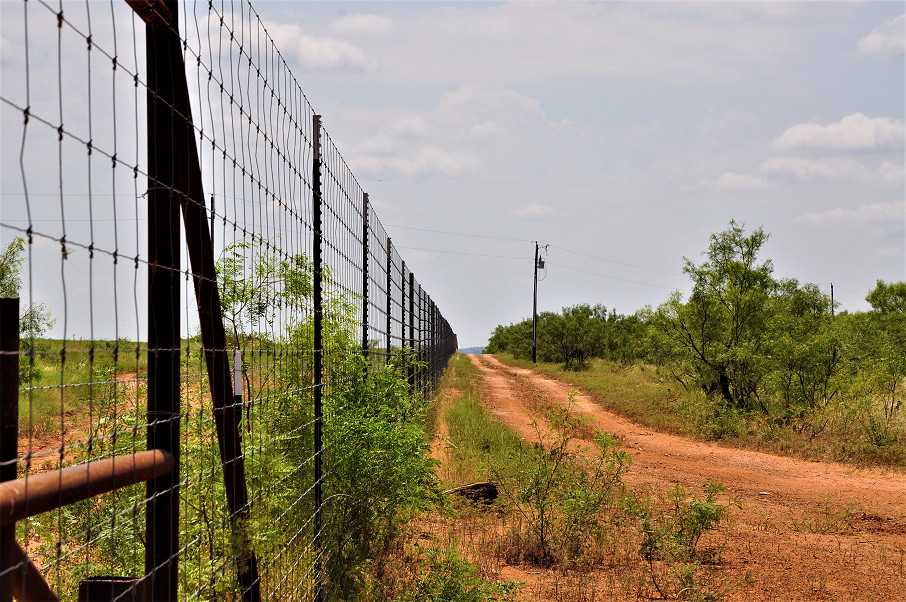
(201, 282)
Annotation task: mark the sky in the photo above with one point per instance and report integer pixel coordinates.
(619, 136)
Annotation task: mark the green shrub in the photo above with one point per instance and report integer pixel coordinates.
(560, 497)
(446, 577)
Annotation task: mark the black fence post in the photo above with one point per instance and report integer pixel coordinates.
(421, 341)
(164, 155)
(318, 351)
(174, 183)
(411, 331)
(366, 260)
(433, 348)
(9, 428)
(389, 297)
(403, 310)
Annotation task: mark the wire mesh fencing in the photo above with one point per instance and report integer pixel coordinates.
(199, 300)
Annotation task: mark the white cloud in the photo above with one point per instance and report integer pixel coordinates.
(468, 122)
(811, 169)
(477, 101)
(533, 210)
(548, 41)
(412, 126)
(363, 24)
(892, 173)
(877, 212)
(887, 39)
(855, 132)
(834, 168)
(734, 181)
(420, 162)
(318, 54)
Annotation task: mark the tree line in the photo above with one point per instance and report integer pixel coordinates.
(750, 341)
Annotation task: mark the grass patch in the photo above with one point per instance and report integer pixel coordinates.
(637, 392)
(66, 381)
(641, 393)
(478, 443)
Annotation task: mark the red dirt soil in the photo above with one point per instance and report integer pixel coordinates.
(769, 538)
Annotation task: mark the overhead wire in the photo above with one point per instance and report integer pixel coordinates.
(589, 255)
(546, 262)
(631, 265)
(566, 267)
(459, 233)
(463, 253)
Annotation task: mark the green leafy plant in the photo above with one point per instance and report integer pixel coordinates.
(670, 536)
(826, 518)
(560, 497)
(446, 577)
(675, 532)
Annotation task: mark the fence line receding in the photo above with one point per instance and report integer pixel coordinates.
(190, 269)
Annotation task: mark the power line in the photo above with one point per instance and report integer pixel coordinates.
(464, 253)
(566, 267)
(459, 233)
(623, 263)
(639, 267)
(549, 262)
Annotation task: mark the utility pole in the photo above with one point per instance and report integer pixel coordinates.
(535, 311)
(539, 263)
(832, 299)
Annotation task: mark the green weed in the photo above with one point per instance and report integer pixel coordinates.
(446, 577)
(559, 497)
(826, 518)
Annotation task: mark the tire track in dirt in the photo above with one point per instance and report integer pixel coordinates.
(861, 559)
(676, 458)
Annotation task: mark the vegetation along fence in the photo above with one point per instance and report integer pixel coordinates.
(201, 302)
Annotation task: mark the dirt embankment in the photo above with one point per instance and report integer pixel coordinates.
(806, 530)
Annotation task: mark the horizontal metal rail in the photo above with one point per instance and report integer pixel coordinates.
(47, 491)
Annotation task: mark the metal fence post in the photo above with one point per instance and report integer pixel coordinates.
(389, 297)
(9, 427)
(366, 259)
(411, 331)
(433, 348)
(403, 308)
(174, 183)
(162, 515)
(421, 340)
(318, 351)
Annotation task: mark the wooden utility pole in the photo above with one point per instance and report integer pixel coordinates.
(535, 311)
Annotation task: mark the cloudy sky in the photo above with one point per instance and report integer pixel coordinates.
(619, 135)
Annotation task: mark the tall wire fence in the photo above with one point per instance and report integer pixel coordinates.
(197, 283)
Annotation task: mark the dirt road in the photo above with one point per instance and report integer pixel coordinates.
(806, 531)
